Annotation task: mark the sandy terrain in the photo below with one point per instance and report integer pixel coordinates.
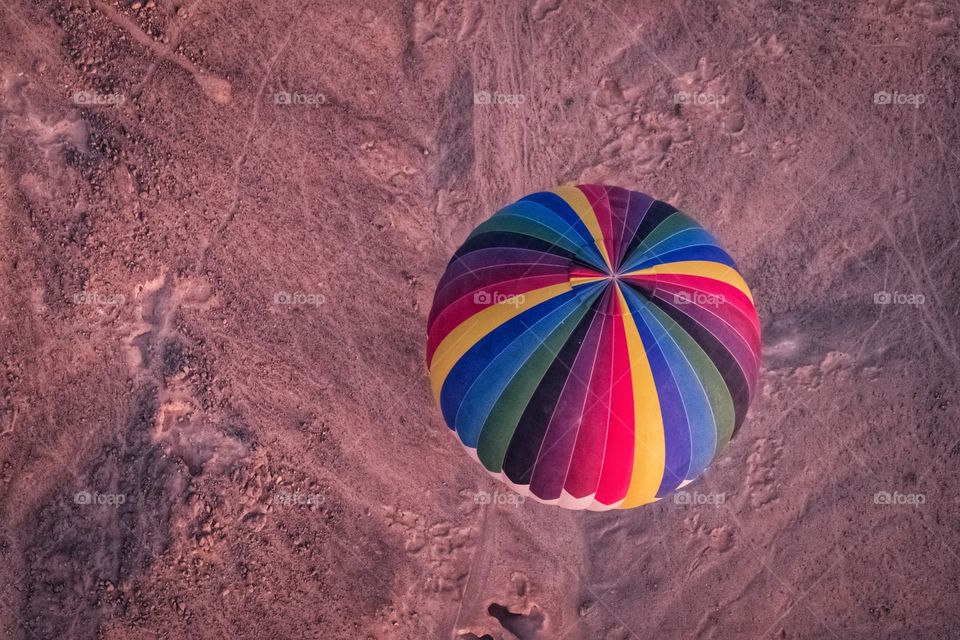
(221, 224)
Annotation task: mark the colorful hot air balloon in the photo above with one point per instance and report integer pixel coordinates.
(593, 347)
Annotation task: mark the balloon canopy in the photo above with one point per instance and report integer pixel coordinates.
(593, 347)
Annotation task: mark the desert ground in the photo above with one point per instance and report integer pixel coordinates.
(221, 226)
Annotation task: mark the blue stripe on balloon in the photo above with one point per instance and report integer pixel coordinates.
(546, 206)
(676, 431)
(679, 240)
(709, 253)
(571, 241)
(466, 400)
(700, 418)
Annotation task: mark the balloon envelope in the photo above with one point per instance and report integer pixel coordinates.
(593, 347)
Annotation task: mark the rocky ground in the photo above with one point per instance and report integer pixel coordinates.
(221, 224)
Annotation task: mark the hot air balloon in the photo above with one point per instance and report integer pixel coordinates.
(593, 347)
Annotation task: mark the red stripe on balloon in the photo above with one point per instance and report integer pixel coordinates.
(732, 296)
(714, 309)
(597, 196)
(477, 276)
(578, 271)
(618, 456)
(474, 302)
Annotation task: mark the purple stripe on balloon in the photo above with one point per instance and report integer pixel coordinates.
(508, 276)
(619, 203)
(586, 462)
(638, 205)
(496, 256)
(732, 341)
(553, 461)
(489, 266)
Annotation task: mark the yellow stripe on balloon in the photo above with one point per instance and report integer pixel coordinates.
(649, 449)
(473, 329)
(579, 203)
(578, 280)
(703, 268)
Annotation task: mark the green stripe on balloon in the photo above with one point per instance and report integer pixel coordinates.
(502, 422)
